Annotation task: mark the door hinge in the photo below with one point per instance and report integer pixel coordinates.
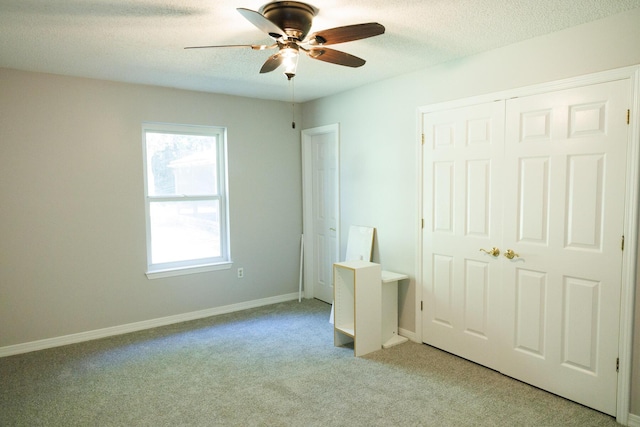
(421, 305)
(618, 364)
(628, 117)
(422, 223)
(622, 243)
(423, 139)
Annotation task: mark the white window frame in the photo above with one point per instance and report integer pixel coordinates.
(223, 262)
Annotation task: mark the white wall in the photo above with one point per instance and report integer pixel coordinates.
(72, 221)
(378, 125)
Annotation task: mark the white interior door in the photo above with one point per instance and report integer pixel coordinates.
(321, 210)
(462, 180)
(563, 214)
(552, 193)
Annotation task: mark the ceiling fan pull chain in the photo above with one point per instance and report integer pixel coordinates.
(293, 105)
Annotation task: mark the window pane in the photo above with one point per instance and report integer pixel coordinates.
(181, 164)
(184, 230)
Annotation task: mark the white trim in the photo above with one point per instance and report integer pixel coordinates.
(307, 201)
(629, 257)
(138, 326)
(632, 199)
(170, 272)
(408, 334)
(307, 211)
(221, 196)
(633, 421)
(419, 227)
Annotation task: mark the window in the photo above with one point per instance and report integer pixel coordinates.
(186, 199)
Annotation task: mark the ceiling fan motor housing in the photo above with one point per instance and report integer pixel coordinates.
(293, 17)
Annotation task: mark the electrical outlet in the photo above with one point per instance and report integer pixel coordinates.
(240, 273)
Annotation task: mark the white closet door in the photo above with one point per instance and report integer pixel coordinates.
(563, 215)
(550, 189)
(462, 185)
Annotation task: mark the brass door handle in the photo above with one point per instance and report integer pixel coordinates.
(493, 251)
(510, 254)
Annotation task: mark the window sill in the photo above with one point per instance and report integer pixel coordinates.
(158, 274)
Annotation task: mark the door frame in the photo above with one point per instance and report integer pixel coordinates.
(630, 225)
(307, 200)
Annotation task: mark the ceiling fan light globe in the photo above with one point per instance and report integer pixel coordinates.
(289, 52)
(290, 62)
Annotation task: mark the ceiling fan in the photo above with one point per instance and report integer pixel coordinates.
(288, 23)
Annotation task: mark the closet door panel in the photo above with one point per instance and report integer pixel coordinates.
(462, 189)
(565, 157)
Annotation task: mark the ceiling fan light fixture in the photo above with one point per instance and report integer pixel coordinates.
(290, 56)
(288, 23)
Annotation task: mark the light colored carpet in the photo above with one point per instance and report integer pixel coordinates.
(270, 366)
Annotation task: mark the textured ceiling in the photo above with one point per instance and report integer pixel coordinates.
(142, 41)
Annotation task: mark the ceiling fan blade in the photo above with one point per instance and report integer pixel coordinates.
(335, 57)
(263, 24)
(272, 63)
(346, 34)
(252, 46)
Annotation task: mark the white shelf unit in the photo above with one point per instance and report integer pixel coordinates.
(357, 305)
(390, 335)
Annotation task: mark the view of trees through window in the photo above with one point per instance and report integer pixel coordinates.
(181, 162)
(183, 196)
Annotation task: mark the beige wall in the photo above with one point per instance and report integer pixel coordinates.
(378, 129)
(72, 221)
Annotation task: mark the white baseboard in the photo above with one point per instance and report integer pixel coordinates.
(633, 420)
(138, 326)
(407, 334)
